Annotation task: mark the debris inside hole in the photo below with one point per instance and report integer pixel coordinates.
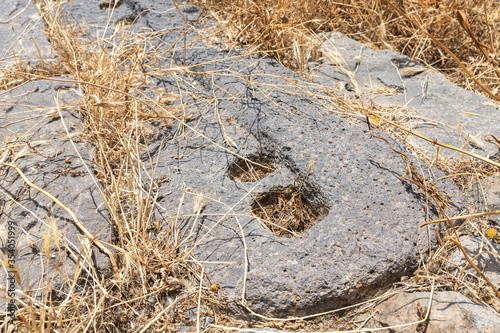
(246, 171)
(285, 212)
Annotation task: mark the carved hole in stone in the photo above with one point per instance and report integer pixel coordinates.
(245, 171)
(286, 212)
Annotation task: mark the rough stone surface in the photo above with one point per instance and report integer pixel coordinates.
(30, 122)
(486, 258)
(96, 17)
(354, 184)
(23, 38)
(484, 196)
(450, 312)
(368, 234)
(444, 111)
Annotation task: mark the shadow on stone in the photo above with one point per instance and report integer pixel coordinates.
(245, 171)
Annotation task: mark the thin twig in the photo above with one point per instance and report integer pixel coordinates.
(199, 301)
(462, 217)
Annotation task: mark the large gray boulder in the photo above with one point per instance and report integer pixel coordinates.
(365, 219)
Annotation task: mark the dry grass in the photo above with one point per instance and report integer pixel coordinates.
(154, 278)
(458, 37)
(157, 279)
(285, 212)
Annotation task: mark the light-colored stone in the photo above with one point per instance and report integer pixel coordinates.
(451, 312)
(488, 261)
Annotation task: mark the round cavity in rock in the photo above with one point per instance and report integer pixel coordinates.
(252, 169)
(285, 212)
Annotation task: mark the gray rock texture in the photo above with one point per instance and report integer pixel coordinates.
(485, 257)
(364, 230)
(450, 312)
(30, 123)
(484, 196)
(101, 16)
(367, 234)
(366, 219)
(23, 38)
(444, 111)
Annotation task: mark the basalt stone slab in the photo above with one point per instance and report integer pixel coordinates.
(172, 26)
(23, 38)
(367, 232)
(155, 15)
(364, 231)
(444, 111)
(31, 123)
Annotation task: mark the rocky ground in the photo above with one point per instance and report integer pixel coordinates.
(278, 187)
